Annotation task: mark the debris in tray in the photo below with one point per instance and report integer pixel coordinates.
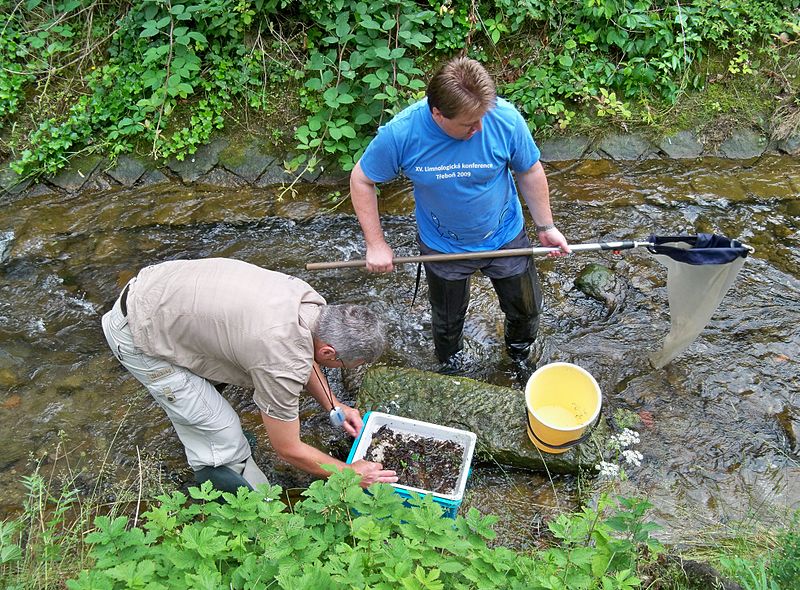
(421, 462)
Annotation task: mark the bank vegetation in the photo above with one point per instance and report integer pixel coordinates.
(315, 79)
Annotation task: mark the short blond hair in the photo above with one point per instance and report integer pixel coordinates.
(462, 85)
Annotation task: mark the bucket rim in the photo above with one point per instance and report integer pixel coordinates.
(580, 369)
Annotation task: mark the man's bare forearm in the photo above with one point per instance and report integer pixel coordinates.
(364, 196)
(534, 189)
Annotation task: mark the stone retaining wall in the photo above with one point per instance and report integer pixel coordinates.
(228, 162)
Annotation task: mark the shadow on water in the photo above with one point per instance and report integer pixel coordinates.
(719, 426)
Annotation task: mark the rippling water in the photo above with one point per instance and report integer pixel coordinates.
(719, 425)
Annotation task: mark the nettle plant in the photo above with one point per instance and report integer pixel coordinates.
(340, 537)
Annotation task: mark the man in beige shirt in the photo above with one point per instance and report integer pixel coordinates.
(180, 327)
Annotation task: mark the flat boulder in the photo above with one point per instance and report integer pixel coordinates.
(497, 415)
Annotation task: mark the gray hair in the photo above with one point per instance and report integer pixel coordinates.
(462, 85)
(356, 332)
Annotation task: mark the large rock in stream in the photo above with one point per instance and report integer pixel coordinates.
(599, 282)
(497, 415)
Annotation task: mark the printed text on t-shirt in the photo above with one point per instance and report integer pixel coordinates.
(457, 169)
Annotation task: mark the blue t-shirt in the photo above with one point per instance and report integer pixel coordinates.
(464, 193)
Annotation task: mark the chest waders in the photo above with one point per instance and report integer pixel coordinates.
(520, 298)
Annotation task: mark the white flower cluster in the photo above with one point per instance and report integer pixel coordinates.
(624, 439)
(607, 470)
(620, 442)
(632, 457)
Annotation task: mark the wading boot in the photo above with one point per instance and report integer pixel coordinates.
(449, 300)
(223, 478)
(457, 364)
(520, 299)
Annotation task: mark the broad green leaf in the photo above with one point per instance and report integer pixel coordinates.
(342, 27)
(331, 97)
(383, 53)
(199, 37)
(368, 23)
(372, 81)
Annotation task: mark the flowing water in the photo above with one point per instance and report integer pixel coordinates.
(719, 426)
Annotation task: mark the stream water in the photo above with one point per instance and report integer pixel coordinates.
(719, 426)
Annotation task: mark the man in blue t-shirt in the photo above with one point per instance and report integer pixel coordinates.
(459, 147)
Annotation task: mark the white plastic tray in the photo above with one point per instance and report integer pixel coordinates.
(403, 425)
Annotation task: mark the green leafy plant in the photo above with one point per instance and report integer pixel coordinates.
(338, 536)
(358, 72)
(593, 549)
(10, 551)
(784, 563)
(164, 75)
(751, 574)
(162, 56)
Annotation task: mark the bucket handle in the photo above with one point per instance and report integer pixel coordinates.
(569, 444)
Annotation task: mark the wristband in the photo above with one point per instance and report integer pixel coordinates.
(545, 227)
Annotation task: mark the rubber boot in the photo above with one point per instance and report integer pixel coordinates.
(520, 299)
(449, 300)
(223, 478)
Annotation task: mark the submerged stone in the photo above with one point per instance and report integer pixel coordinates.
(599, 282)
(497, 415)
(791, 427)
(8, 380)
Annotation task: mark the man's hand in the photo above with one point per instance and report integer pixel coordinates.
(553, 238)
(364, 197)
(373, 473)
(352, 420)
(379, 257)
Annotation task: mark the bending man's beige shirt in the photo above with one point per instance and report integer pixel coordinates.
(230, 322)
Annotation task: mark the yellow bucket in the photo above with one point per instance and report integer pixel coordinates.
(563, 402)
